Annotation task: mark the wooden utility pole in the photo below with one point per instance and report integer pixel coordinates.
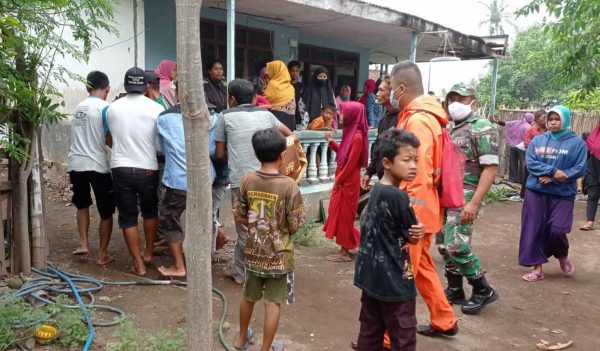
(196, 122)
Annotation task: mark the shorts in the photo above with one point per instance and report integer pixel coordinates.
(170, 209)
(133, 185)
(103, 191)
(279, 289)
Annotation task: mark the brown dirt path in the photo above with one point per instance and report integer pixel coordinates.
(325, 315)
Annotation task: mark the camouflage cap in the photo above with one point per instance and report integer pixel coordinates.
(462, 89)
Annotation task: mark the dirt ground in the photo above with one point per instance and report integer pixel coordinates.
(325, 315)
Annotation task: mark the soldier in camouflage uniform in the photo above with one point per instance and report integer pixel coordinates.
(478, 140)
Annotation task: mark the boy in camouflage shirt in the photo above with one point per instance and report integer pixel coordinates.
(478, 140)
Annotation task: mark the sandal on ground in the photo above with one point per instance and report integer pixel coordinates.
(276, 347)
(533, 276)
(338, 258)
(586, 228)
(566, 266)
(247, 343)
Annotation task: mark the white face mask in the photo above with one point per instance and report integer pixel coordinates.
(459, 111)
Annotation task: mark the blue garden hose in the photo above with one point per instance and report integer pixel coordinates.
(47, 282)
(90, 337)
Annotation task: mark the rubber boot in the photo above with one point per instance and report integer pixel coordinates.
(454, 292)
(483, 294)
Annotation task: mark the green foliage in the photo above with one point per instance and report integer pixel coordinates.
(33, 34)
(310, 235)
(498, 193)
(573, 27)
(129, 339)
(523, 80)
(18, 318)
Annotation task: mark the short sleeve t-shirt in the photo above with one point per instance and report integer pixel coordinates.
(236, 127)
(131, 121)
(87, 151)
(383, 269)
(273, 206)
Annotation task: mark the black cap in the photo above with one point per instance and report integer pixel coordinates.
(152, 77)
(135, 80)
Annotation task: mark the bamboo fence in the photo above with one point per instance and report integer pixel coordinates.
(581, 122)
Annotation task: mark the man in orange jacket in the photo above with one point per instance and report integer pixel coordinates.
(424, 116)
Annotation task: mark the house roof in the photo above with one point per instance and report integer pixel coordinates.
(384, 31)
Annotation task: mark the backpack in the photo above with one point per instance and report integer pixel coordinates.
(450, 187)
(451, 172)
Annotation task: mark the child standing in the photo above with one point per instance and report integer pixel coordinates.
(326, 120)
(383, 269)
(555, 160)
(270, 206)
(352, 155)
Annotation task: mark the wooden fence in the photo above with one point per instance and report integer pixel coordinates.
(581, 122)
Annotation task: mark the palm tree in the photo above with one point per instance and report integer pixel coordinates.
(498, 14)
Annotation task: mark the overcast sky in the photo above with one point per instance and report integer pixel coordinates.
(463, 16)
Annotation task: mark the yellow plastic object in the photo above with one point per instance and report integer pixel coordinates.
(45, 333)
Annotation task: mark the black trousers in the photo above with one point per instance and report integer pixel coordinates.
(516, 164)
(592, 202)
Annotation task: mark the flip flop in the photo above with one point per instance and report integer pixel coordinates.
(80, 252)
(566, 266)
(247, 343)
(338, 258)
(586, 228)
(277, 347)
(533, 276)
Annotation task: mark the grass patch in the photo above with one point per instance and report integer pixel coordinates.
(498, 193)
(311, 235)
(18, 319)
(129, 339)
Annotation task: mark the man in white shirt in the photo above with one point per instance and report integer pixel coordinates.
(131, 129)
(88, 166)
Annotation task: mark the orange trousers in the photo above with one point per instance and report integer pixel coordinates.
(429, 286)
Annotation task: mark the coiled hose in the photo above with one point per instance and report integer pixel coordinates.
(68, 285)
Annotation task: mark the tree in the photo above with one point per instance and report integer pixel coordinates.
(522, 81)
(574, 50)
(32, 34)
(497, 15)
(196, 119)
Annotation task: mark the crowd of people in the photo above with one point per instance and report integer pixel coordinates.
(250, 119)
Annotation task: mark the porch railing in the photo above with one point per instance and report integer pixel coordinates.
(321, 160)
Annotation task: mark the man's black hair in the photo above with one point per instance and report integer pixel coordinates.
(294, 63)
(212, 63)
(242, 90)
(259, 85)
(268, 144)
(97, 80)
(393, 139)
(329, 106)
(409, 74)
(539, 113)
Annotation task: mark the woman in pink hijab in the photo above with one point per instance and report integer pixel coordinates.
(167, 71)
(514, 132)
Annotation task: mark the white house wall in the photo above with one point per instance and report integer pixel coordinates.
(114, 55)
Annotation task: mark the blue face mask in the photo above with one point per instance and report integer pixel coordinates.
(393, 99)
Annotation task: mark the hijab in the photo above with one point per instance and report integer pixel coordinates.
(515, 130)
(339, 97)
(164, 70)
(593, 142)
(318, 94)
(279, 91)
(354, 122)
(565, 121)
(369, 88)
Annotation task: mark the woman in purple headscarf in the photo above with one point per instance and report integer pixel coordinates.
(514, 131)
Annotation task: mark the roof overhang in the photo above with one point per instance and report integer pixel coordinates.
(383, 31)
